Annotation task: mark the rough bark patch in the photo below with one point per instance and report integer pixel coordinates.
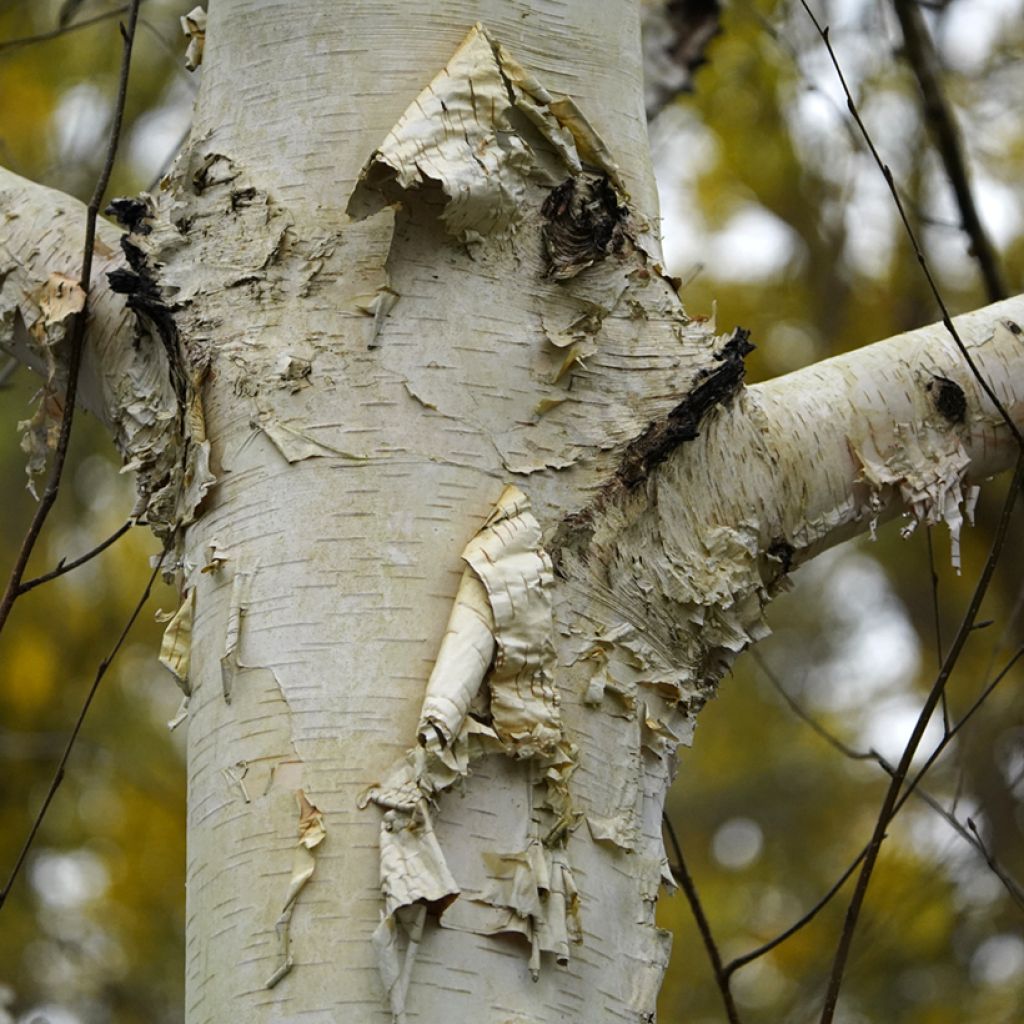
(713, 386)
(584, 222)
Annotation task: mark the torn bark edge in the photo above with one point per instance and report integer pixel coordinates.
(173, 470)
(241, 589)
(312, 832)
(499, 635)
(482, 129)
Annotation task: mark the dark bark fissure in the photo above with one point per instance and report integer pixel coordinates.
(141, 291)
(713, 386)
(949, 398)
(584, 222)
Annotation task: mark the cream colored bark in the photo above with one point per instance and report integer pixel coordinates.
(491, 515)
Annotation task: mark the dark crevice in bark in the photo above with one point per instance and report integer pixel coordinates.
(143, 298)
(949, 398)
(584, 222)
(713, 386)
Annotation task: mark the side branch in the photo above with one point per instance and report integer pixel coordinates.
(126, 378)
(901, 425)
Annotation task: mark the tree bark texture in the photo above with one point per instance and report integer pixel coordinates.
(471, 517)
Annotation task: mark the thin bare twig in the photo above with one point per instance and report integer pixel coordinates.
(7, 45)
(686, 883)
(76, 331)
(937, 620)
(947, 320)
(1011, 886)
(64, 567)
(805, 919)
(58, 775)
(899, 775)
(889, 804)
(923, 59)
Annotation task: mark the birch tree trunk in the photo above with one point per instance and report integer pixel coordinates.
(470, 517)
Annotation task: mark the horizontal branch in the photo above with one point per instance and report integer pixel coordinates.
(125, 378)
(899, 426)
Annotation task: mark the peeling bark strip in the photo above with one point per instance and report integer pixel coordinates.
(714, 387)
(500, 634)
(312, 833)
(483, 129)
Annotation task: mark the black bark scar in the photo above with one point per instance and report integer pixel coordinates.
(949, 398)
(584, 222)
(713, 386)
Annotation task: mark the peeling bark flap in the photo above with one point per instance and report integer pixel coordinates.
(463, 133)
(500, 633)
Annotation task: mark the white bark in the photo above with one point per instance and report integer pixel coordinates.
(371, 385)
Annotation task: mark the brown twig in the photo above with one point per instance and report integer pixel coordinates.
(76, 331)
(44, 37)
(805, 919)
(686, 883)
(947, 320)
(933, 576)
(64, 567)
(58, 775)
(923, 59)
(1011, 886)
(889, 804)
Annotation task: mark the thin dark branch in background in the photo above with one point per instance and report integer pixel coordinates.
(173, 53)
(830, 738)
(44, 37)
(755, 954)
(76, 330)
(58, 775)
(686, 883)
(933, 577)
(889, 804)
(66, 567)
(947, 320)
(963, 720)
(1011, 886)
(1014, 889)
(919, 50)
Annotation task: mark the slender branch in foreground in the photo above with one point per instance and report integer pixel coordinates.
(920, 53)
(44, 37)
(58, 775)
(76, 330)
(801, 922)
(1011, 886)
(686, 883)
(933, 577)
(889, 804)
(64, 567)
(947, 320)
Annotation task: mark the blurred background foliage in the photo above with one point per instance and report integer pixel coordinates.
(775, 219)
